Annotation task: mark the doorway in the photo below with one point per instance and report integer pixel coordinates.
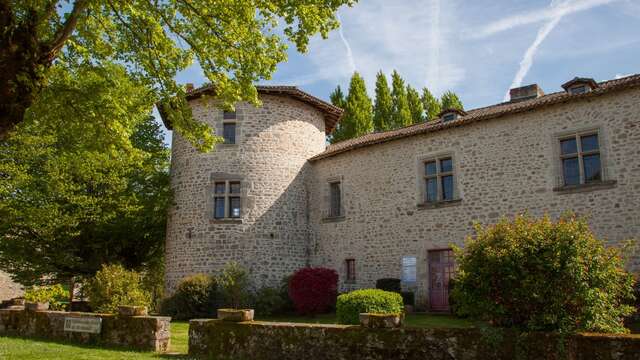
(441, 270)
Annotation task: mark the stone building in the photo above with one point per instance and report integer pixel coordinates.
(276, 198)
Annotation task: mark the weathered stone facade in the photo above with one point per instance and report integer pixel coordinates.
(502, 166)
(273, 143)
(8, 288)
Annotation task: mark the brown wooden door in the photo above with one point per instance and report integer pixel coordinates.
(441, 269)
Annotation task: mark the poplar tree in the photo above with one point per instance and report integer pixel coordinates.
(430, 104)
(383, 107)
(358, 112)
(450, 100)
(401, 114)
(415, 105)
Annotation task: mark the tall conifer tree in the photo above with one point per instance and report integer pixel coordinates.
(450, 100)
(415, 105)
(383, 107)
(431, 105)
(337, 97)
(401, 113)
(358, 112)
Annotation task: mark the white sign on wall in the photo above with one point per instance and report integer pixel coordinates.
(92, 325)
(409, 269)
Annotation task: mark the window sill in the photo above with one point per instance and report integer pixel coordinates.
(225, 221)
(439, 204)
(332, 219)
(226, 146)
(350, 282)
(572, 189)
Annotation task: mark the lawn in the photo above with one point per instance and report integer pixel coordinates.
(12, 348)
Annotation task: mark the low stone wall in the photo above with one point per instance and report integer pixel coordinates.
(149, 333)
(215, 339)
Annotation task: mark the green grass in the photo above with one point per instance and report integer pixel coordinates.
(32, 349)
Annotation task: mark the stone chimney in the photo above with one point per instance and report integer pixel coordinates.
(189, 87)
(525, 93)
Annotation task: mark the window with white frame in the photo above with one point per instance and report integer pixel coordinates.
(438, 179)
(226, 200)
(580, 159)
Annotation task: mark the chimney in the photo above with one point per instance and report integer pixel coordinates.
(189, 87)
(522, 93)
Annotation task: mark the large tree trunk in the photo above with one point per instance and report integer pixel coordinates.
(22, 67)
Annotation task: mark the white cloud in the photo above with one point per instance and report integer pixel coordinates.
(387, 35)
(535, 16)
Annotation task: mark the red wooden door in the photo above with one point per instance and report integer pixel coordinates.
(441, 269)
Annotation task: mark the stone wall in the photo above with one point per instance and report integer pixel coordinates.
(273, 143)
(502, 167)
(8, 288)
(148, 333)
(284, 341)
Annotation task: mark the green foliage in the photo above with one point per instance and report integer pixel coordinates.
(197, 296)
(85, 179)
(383, 107)
(541, 275)
(337, 98)
(408, 298)
(55, 295)
(268, 301)
(401, 113)
(450, 100)
(430, 104)
(236, 43)
(113, 286)
(234, 285)
(288, 305)
(350, 305)
(357, 119)
(415, 105)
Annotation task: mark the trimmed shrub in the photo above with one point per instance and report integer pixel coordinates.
(375, 301)
(408, 298)
(284, 294)
(268, 301)
(540, 275)
(55, 295)
(113, 286)
(234, 285)
(313, 290)
(389, 284)
(195, 297)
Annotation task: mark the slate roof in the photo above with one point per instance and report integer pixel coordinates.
(485, 113)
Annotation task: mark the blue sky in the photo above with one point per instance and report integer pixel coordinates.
(477, 48)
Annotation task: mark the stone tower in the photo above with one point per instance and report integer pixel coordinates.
(246, 201)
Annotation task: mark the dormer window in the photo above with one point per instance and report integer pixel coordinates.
(579, 85)
(451, 114)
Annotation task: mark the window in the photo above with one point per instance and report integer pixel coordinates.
(449, 117)
(229, 127)
(580, 159)
(578, 89)
(409, 269)
(351, 270)
(438, 180)
(335, 199)
(226, 200)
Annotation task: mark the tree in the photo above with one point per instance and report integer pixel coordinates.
(415, 105)
(430, 104)
(543, 275)
(337, 98)
(73, 195)
(357, 119)
(235, 42)
(383, 107)
(401, 114)
(450, 100)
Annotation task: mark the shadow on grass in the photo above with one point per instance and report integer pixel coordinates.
(102, 347)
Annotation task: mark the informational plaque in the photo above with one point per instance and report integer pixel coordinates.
(409, 269)
(91, 325)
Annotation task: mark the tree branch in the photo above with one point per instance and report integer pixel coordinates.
(63, 33)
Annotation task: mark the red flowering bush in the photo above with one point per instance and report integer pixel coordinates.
(313, 290)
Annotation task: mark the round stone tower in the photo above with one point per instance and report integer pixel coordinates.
(246, 201)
